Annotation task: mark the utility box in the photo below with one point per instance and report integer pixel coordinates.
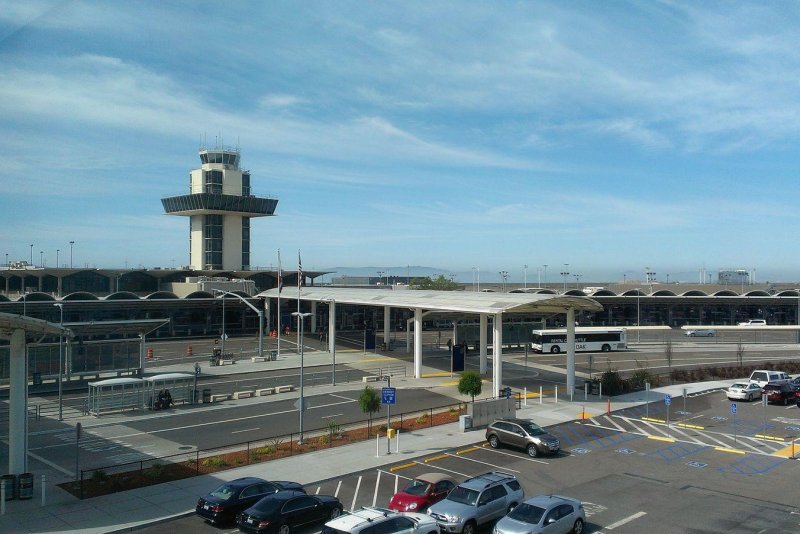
(464, 422)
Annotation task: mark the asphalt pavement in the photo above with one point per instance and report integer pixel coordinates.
(58, 511)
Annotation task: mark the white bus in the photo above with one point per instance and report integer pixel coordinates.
(587, 339)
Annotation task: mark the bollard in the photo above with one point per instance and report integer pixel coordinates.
(540, 394)
(583, 414)
(608, 407)
(43, 489)
(525, 402)
(397, 442)
(600, 393)
(3, 499)
(556, 393)
(586, 391)
(378, 446)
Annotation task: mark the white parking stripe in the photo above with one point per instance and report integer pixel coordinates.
(495, 451)
(503, 468)
(377, 483)
(317, 492)
(443, 469)
(396, 479)
(611, 420)
(681, 432)
(625, 521)
(338, 487)
(355, 495)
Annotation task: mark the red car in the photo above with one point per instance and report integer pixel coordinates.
(422, 492)
(778, 393)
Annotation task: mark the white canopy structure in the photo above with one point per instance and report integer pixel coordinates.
(484, 305)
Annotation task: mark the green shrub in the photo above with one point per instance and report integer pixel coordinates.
(214, 461)
(422, 419)
(324, 440)
(612, 382)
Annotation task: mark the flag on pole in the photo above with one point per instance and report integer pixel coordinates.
(299, 271)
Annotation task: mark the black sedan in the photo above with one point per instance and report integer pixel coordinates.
(284, 511)
(223, 504)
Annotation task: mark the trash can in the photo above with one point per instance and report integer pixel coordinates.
(37, 378)
(273, 355)
(594, 387)
(464, 422)
(25, 486)
(9, 482)
(206, 396)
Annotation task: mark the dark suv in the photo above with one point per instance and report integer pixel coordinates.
(779, 393)
(522, 433)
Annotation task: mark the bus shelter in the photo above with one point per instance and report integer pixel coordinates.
(115, 395)
(177, 387)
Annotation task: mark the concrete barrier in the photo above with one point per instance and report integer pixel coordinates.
(284, 389)
(223, 362)
(264, 392)
(255, 359)
(220, 397)
(243, 394)
(370, 378)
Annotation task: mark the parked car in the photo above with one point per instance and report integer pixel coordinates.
(282, 512)
(477, 501)
(422, 492)
(782, 393)
(544, 514)
(381, 521)
(797, 398)
(754, 322)
(764, 376)
(743, 391)
(223, 504)
(522, 433)
(700, 332)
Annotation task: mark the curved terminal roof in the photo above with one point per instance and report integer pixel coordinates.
(454, 301)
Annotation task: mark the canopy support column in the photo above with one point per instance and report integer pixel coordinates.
(484, 324)
(570, 350)
(417, 342)
(497, 354)
(314, 316)
(332, 326)
(387, 324)
(18, 399)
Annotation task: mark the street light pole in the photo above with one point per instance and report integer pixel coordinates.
(545, 274)
(259, 312)
(300, 316)
(31, 254)
(525, 276)
(60, 364)
(638, 315)
(57, 251)
(70, 253)
(331, 336)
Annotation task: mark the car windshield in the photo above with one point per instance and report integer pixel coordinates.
(224, 492)
(533, 429)
(738, 386)
(417, 487)
(463, 496)
(527, 513)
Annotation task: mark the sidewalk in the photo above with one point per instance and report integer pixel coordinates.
(136, 508)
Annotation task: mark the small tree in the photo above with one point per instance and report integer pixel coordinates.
(370, 403)
(668, 357)
(740, 352)
(470, 384)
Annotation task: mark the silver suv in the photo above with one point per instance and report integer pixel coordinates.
(522, 433)
(477, 501)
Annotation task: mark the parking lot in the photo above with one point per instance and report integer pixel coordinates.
(702, 472)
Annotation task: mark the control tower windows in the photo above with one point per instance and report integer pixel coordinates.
(245, 243)
(213, 241)
(213, 182)
(245, 184)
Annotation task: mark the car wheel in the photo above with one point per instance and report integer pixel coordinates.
(493, 441)
(336, 512)
(284, 529)
(606, 348)
(578, 527)
(533, 452)
(469, 528)
(555, 350)
(749, 397)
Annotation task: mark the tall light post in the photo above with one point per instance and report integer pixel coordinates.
(578, 281)
(60, 364)
(57, 251)
(260, 314)
(300, 316)
(525, 276)
(473, 274)
(545, 274)
(41, 258)
(565, 274)
(31, 253)
(70, 253)
(638, 314)
(504, 276)
(380, 277)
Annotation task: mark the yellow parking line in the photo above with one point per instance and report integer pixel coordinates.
(431, 375)
(659, 438)
(725, 449)
(687, 425)
(464, 451)
(453, 383)
(383, 359)
(653, 420)
(787, 452)
(764, 436)
(402, 466)
(434, 458)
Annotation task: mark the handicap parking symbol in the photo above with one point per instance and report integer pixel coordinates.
(626, 451)
(581, 450)
(697, 464)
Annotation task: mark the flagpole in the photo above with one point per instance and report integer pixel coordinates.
(299, 317)
(280, 286)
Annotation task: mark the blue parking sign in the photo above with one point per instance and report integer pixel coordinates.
(388, 395)
(733, 408)
(667, 399)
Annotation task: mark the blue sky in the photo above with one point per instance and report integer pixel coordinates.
(612, 136)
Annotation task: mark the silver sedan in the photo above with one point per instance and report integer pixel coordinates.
(550, 514)
(744, 391)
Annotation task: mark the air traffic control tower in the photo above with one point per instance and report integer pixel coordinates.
(219, 206)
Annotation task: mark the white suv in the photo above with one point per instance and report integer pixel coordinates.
(754, 322)
(374, 520)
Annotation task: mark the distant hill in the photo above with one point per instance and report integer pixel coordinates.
(412, 270)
